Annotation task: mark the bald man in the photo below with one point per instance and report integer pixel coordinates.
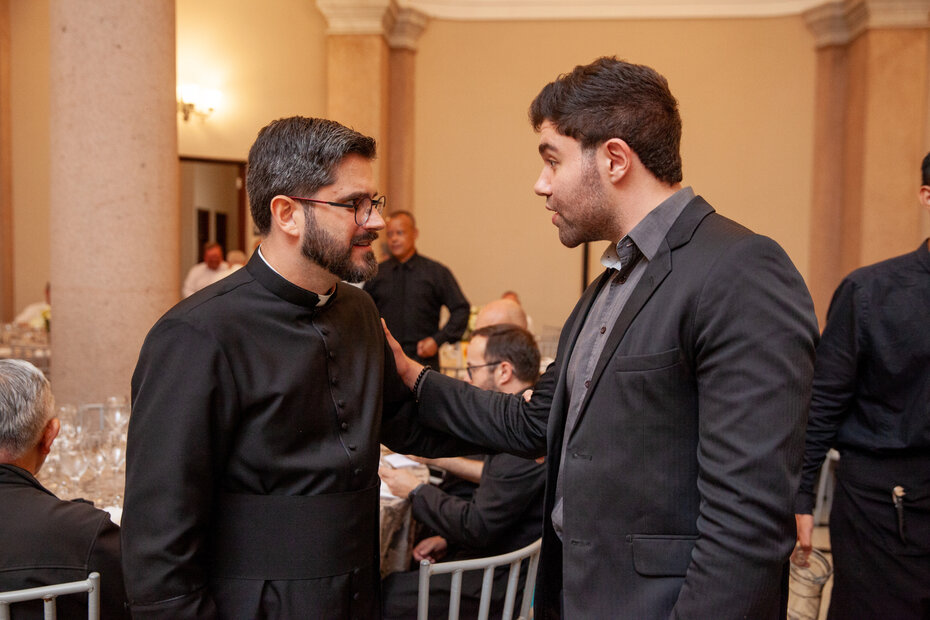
(500, 311)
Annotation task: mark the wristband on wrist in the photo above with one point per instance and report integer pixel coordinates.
(416, 384)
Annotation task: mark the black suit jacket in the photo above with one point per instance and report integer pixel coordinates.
(680, 472)
(45, 540)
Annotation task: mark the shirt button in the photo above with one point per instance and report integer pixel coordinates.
(603, 329)
(355, 596)
(352, 446)
(332, 355)
(344, 426)
(357, 471)
(587, 384)
(340, 403)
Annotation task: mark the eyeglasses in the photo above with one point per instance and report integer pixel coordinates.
(363, 206)
(470, 368)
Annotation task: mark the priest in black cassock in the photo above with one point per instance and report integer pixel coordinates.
(259, 403)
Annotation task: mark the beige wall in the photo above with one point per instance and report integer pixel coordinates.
(267, 58)
(746, 90)
(745, 87)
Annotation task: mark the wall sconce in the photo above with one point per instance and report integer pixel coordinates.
(194, 99)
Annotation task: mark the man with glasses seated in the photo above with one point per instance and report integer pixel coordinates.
(410, 291)
(45, 540)
(506, 511)
(252, 484)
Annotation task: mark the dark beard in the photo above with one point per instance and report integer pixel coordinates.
(588, 218)
(324, 250)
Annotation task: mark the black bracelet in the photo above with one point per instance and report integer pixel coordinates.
(416, 384)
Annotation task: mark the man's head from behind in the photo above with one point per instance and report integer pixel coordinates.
(402, 233)
(213, 255)
(610, 98)
(503, 358)
(296, 157)
(503, 310)
(27, 428)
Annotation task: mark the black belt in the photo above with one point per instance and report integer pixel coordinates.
(274, 537)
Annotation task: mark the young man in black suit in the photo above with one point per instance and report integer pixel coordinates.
(673, 416)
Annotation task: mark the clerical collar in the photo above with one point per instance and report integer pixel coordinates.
(651, 230)
(318, 300)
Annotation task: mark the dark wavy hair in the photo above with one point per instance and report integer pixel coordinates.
(297, 156)
(925, 170)
(611, 98)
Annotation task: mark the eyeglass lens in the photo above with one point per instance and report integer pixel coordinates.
(363, 207)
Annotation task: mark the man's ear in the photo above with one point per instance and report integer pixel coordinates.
(284, 215)
(619, 158)
(925, 196)
(49, 433)
(503, 373)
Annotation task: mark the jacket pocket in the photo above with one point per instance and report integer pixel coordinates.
(662, 556)
(652, 361)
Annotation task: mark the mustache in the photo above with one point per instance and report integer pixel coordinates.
(369, 237)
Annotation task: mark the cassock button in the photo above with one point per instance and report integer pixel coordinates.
(332, 355)
(344, 426)
(355, 596)
(603, 329)
(357, 471)
(587, 384)
(340, 403)
(352, 446)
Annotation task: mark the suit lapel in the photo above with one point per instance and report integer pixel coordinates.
(656, 271)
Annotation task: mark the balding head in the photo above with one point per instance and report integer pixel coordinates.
(501, 311)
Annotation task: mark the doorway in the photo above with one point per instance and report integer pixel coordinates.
(214, 208)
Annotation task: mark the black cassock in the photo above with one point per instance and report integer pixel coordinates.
(252, 471)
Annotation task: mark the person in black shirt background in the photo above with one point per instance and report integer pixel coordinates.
(871, 401)
(410, 290)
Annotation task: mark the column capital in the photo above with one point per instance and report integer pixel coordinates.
(409, 24)
(358, 16)
(828, 24)
(837, 22)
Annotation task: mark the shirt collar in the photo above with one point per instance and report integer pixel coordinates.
(651, 230)
(303, 299)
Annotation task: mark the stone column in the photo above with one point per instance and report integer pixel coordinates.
(6, 171)
(408, 26)
(114, 189)
(370, 81)
(870, 135)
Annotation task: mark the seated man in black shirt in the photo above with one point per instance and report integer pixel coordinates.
(46, 540)
(505, 512)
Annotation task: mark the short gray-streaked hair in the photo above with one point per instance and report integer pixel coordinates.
(297, 156)
(26, 406)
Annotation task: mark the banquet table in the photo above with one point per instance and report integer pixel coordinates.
(396, 514)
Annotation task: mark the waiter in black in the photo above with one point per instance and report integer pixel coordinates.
(410, 290)
(871, 401)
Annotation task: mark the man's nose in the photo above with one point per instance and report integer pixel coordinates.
(375, 222)
(542, 187)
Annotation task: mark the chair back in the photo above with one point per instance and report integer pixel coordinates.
(457, 568)
(91, 585)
